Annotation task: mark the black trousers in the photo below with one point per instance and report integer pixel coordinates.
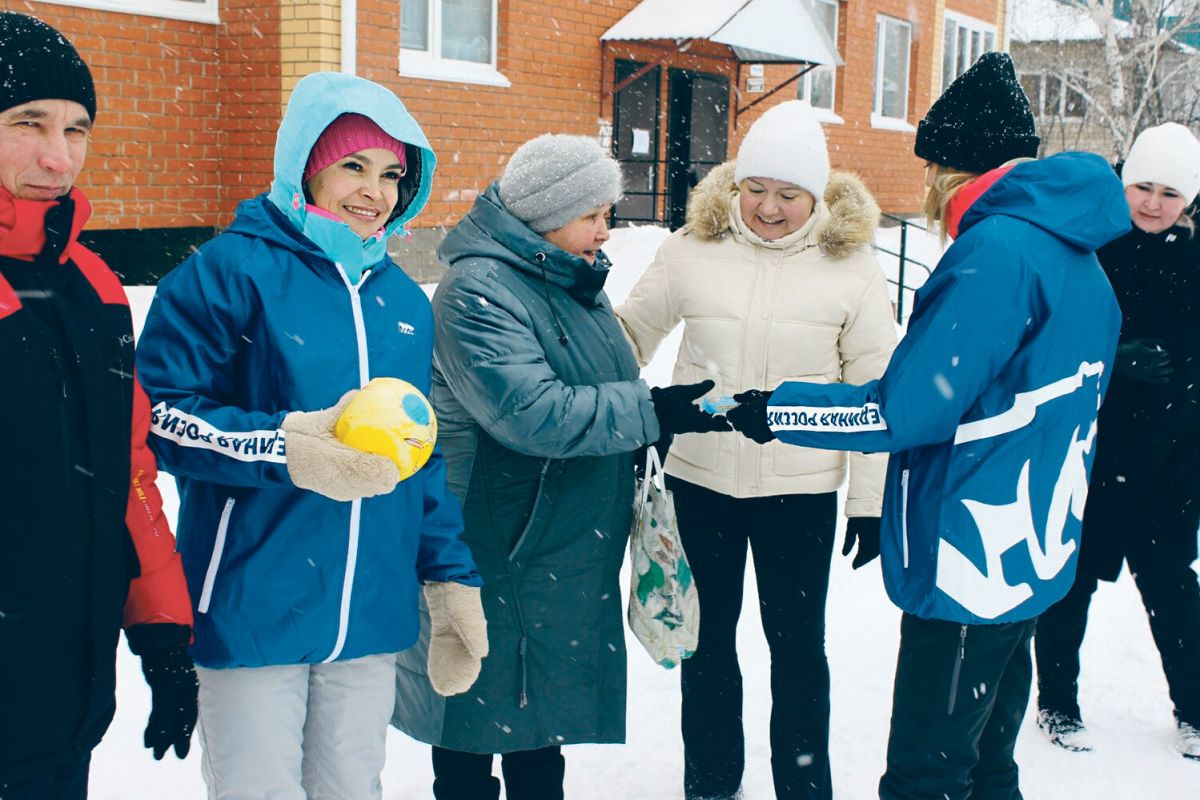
(68, 782)
(960, 696)
(528, 775)
(1171, 595)
(791, 537)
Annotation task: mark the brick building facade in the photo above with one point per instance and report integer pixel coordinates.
(191, 92)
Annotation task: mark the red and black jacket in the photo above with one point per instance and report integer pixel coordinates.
(84, 545)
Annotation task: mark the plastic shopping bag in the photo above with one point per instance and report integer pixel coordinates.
(664, 609)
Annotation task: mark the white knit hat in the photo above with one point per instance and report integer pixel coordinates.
(1168, 154)
(786, 144)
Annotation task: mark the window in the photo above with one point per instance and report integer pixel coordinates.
(450, 40)
(194, 10)
(893, 38)
(817, 85)
(1049, 96)
(964, 40)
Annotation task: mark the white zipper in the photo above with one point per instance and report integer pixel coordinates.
(210, 577)
(360, 334)
(904, 514)
(347, 582)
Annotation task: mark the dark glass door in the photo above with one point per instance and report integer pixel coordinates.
(635, 139)
(697, 137)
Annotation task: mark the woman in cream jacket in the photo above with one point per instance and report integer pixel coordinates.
(771, 286)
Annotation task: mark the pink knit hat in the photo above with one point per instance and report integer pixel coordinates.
(348, 134)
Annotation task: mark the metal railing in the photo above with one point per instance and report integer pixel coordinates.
(903, 260)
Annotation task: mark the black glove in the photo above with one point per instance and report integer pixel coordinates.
(172, 678)
(749, 417)
(677, 412)
(1144, 361)
(866, 531)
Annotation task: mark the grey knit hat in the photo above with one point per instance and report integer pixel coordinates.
(556, 178)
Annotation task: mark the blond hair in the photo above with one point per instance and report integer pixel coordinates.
(946, 183)
(1187, 222)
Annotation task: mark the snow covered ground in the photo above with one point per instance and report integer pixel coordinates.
(1124, 695)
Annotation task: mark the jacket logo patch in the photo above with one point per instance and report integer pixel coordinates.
(406, 329)
(987, 593)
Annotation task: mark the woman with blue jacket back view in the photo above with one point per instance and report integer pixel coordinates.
(988, 407)
(305, 556)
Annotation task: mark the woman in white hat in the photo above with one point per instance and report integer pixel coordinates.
(1144, 504)
(774, 279)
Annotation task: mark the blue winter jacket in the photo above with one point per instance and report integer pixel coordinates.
(259, 322)
(990, 400)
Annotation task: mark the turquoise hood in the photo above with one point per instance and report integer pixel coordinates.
(318, 100)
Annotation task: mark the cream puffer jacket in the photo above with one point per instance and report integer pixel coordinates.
(810, 306)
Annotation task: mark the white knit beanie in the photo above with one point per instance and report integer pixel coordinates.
(786, 144)
(1168, 154)
(557, 178)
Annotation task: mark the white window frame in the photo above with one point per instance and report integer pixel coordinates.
(430, 64)
(974, 26)
(198, 11)
(1040, 111)
(878, 120)
(804, 91)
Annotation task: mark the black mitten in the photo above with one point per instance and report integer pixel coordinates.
(677, 412)
(866, 531)
(1144, 361)
(749, 417)
(173, 686)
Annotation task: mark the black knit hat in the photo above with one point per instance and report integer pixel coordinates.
(981, 121)
(38, 63)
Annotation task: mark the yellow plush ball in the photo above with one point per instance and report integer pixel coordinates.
(392, 418)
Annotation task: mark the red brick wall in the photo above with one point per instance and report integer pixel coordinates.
(548, 49)
(188, 111)
(883, 157)
(179, 111)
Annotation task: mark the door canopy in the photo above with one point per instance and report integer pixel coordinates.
(762, 31)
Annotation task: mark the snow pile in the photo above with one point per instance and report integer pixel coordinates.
(1123, 693)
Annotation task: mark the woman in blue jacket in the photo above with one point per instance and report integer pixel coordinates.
(989, 409)
(304, 556)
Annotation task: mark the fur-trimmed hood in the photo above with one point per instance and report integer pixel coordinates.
(850, 222)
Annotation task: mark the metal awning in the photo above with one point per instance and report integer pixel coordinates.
(760, 31)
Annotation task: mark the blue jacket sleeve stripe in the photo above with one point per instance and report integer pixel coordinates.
(845, 419)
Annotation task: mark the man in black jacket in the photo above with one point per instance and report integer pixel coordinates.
(84, 546)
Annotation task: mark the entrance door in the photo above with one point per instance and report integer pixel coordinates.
(698, 134)
(635, 135)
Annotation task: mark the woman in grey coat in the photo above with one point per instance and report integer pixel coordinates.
(540, 410)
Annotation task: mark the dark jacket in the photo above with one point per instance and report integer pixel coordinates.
(989, 402)
(539, 409)
(84, 547)
(1148, 446)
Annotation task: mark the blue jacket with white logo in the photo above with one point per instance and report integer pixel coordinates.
(266, 319)
(990, 400)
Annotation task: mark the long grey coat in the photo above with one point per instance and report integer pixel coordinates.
(539, 409)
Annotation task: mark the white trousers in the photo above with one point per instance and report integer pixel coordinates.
(296, 732)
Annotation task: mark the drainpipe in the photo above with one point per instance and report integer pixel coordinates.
(349, 36)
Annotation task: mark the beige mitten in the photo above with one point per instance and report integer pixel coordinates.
(317, 461)
(458, 638)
